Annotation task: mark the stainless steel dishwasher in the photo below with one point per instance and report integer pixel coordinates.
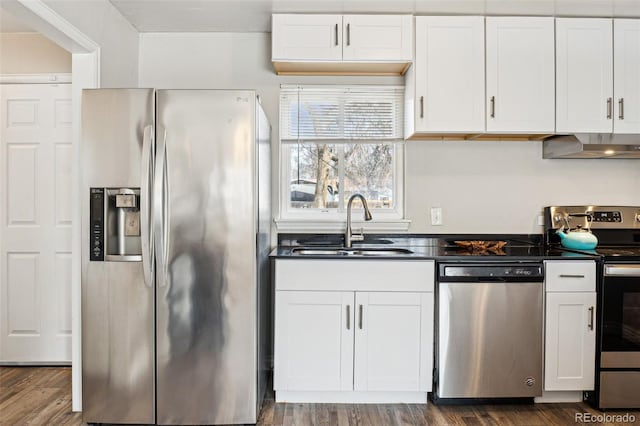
(490, 322)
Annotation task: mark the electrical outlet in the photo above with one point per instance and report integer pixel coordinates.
(540, 220)
(436, 216)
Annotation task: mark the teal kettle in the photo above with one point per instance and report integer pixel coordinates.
(579, 238)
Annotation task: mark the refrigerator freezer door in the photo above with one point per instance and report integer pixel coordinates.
(206, 306)
(117, 303)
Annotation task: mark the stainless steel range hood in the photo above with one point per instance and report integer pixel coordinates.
(592, 145)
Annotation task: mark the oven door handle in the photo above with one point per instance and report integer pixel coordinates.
(622, 270)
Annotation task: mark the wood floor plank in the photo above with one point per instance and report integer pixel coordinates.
(42, 396)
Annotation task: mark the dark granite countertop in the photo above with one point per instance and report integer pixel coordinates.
(519, 248)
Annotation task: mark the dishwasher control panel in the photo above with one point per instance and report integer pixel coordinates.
(491, 272)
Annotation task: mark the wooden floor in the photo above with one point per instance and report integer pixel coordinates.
(42, 396)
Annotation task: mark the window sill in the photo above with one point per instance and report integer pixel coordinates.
(293, 225)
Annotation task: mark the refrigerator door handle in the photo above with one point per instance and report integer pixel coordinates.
(160, 209)
(145, 206)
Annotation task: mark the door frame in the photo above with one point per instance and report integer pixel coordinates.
(85, 64)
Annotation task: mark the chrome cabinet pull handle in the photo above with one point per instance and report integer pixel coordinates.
(493, 107)
(360, 317)
(336, 34)
(571, 276)
(621, 108)
(591, 309)
(348, 34)
(609, 109)
(348, 317)
(421, 106)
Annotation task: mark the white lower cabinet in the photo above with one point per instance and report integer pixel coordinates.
(570, 322)
(354, 345)
(570, 341)
(392, 336)
(314, 340)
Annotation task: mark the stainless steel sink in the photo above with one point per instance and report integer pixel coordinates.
(317, 252)
(382, 252)
(305, 251)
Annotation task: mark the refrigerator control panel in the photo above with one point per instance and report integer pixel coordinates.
(96, 221)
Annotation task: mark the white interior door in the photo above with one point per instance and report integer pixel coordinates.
(35, 218)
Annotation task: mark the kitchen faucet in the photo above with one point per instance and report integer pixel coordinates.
(348, 235)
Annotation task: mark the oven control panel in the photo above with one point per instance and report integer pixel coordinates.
(594, 217)
(611, 216)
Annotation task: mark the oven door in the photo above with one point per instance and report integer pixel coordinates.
(621, 316)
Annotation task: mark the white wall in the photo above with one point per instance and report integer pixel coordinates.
(118, 39)
(482, 187)
(32, 53)
(501, 187)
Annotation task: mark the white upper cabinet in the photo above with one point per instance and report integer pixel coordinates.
(377, 38)
(446, 86)
(307, 37)
(337, 44)
(626, 64)
(584, 75)
(520, 94)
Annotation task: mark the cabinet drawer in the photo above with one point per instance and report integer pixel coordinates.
(354, 275)
(571, 276)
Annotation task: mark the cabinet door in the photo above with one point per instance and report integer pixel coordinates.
(306, 37)
(449, 74)
(584, 75)
(394, 342)
(377, 37)
(313, 341)
(520, 75)
(626, 64)
(570, 341)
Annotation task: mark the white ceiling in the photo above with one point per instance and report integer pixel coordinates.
(255, 15)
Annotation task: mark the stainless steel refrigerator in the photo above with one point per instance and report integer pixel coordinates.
(175, 241)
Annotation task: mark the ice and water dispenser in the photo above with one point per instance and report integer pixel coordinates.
(115, 224)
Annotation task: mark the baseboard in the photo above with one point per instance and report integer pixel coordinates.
(559, 396)
(34, 364)
(348, 397)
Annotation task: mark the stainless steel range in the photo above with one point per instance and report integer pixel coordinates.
(618, 325)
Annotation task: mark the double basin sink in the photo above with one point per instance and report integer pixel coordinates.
(349, 251)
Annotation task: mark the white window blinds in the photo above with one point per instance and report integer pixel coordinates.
(341, 114)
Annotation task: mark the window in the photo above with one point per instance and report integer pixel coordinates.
(337, 141)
